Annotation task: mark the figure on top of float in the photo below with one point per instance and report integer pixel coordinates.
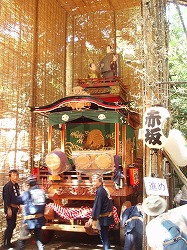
(110, 64)
(93, 71)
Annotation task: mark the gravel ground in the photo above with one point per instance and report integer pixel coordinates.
(73, 241)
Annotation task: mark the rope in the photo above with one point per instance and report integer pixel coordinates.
(69, 213)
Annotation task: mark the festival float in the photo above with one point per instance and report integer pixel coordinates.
(97, 135)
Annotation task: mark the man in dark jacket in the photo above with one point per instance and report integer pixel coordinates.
(34, 205)
(102, 210)
(11, 207)
(132, 220)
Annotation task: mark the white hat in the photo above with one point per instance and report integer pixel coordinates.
(154, 205)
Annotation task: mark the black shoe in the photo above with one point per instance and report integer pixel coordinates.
(10, 245)
(5, 247)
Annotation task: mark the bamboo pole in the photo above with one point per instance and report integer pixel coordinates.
(155, 70)
(34, 84)
(181, 18)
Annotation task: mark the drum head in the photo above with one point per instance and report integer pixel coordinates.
(82, 162)
(103, 161)
(52, 161)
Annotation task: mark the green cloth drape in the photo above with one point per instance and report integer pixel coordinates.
(98, 115)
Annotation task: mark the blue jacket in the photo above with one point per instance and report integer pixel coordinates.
(103, 205)
(176, 239)
(34, 203)
(136, 224)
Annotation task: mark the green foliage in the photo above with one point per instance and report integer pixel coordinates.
(179, 108)
(178, 68)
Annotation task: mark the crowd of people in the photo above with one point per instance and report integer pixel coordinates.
(33, 200)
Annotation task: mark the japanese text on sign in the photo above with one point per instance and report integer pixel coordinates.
(153, 121)
(156, 186)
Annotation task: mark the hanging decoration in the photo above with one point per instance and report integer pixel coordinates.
(134, 176)
(156, 124)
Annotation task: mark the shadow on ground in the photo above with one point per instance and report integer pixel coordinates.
(75, 241)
